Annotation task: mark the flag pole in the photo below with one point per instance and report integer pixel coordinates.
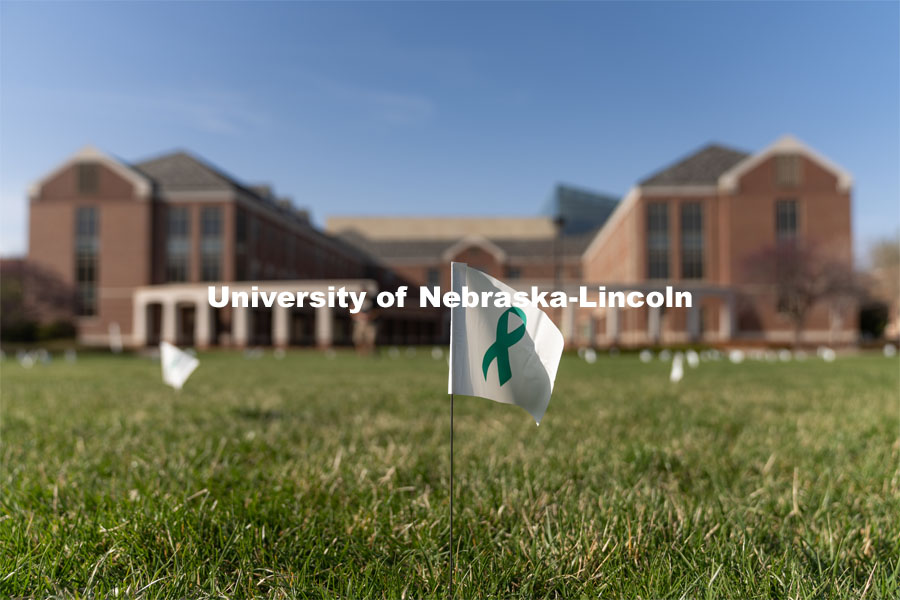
(451, 496)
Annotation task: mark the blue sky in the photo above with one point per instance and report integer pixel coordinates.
(448, 108)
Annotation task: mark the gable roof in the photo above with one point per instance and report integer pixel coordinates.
(183, 172)
(786, 144)
(703, 167)
(142, 184)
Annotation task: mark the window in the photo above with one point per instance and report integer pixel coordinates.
(87, 245)
(692, 240)
(785, 220)
(290, 251)
(178, 244)
(240, 226)
(657, 240)
(88, 178)
(434, 277)
(788, 170)
(240, 244)
(211, 243)
(513, 273)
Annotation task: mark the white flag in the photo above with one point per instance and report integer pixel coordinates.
(115, 338)
(677, 368)
(177, 366)
(693, 359)
(506, 354)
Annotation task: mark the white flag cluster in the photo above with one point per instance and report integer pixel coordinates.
(177, 365)
(508, 355)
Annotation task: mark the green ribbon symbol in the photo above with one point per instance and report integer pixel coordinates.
(499, 350)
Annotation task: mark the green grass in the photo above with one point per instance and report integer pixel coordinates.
(315, 477)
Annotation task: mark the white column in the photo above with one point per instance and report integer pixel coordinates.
(693, 322)
(324, 327)
(170, 321)
(726, 318)
(281, 334)
(612, 324)
(654, 324)
(139, 322)
(240, 326)
(202, 324)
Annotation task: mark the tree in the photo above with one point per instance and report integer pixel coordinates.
(34, 303)
(884, 275)
(802, 276)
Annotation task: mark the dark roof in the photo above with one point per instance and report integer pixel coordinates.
(181, 171)
(703, 167)
(571, 245)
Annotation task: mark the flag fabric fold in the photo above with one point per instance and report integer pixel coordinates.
(506, 354)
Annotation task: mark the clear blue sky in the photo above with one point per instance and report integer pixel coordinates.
(448, 108)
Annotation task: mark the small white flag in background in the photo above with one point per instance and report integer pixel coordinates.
(115, 338)
(508, 355)
(177, 366)
(693, 359)
(677, 368)
(736, 356)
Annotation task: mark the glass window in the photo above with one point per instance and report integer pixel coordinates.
(785, 220)
(692, 240)
(87, 246)
(178, 244)
(434, 277)
(211, 221)
(211, 243)
(657, 240)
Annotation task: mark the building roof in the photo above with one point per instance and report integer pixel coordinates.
(442, 228)
(703, 167)
(184, 172)
(430, 250)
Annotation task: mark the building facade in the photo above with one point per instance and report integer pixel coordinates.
(139, 244)
(716, 223)
(710, 223)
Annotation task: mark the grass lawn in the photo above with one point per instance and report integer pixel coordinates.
(328, 477)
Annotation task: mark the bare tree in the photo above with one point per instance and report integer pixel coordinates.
(31, 296)
(802, 276)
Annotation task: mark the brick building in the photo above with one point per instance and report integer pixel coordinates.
(697, 224)
(139, 243)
